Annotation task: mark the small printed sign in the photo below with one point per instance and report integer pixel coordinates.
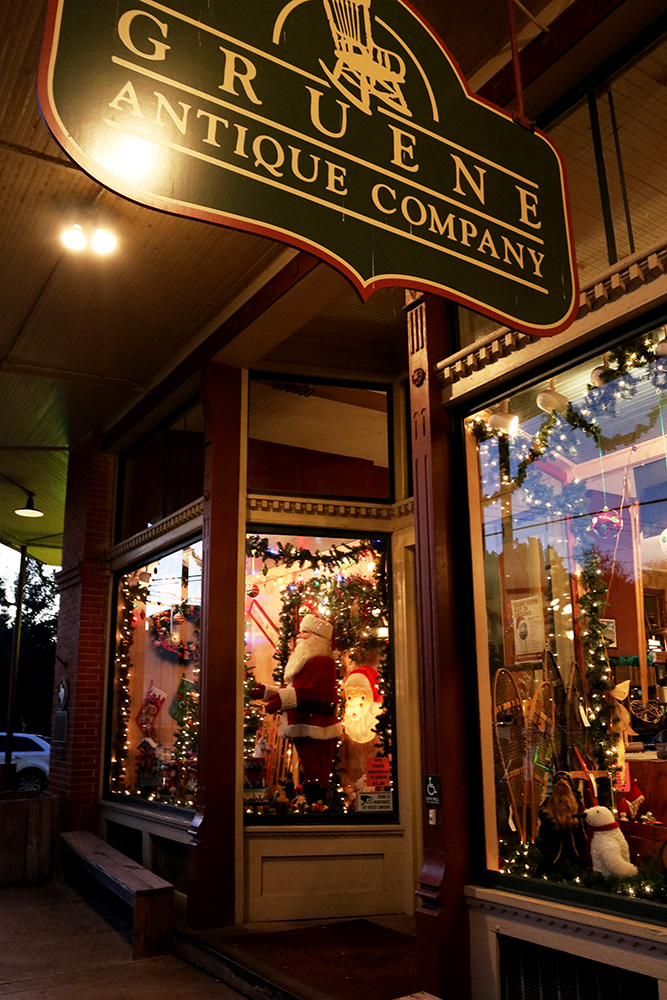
(375, 802)
(378, 772)
(528, 623)
(432, 790)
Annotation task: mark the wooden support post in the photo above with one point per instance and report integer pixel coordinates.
(442, 921)
(216, 831)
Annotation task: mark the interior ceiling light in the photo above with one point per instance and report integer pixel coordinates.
(504, 422)
(549, 400)
(29, 510)
(74, 238)
(103, 242)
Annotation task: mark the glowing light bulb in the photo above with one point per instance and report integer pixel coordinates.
(74, 238)
(103, 242)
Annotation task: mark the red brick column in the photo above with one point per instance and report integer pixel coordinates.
(82, 652)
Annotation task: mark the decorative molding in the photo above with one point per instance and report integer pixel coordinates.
(126, 549)
(615, 284)
(544, 916)
(259, 506)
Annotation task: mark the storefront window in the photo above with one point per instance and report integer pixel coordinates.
(323, 749)
(319, 440)
(155, 724)
(162, 473)
(571, 483)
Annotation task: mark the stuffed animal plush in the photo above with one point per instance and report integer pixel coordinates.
(610, 853)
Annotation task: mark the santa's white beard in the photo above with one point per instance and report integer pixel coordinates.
(361, 729)
(305, 650)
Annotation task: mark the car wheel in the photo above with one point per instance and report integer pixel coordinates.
(30, 779)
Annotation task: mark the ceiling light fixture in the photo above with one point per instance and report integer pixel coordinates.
(74, 238)
(79, 237)
(549, 400)
(504, 422)
(29, 510)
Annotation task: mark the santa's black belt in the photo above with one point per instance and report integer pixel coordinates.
(317, 707)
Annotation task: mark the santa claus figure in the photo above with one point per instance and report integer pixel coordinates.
(309, 703)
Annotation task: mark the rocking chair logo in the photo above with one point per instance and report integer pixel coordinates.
(343, 127)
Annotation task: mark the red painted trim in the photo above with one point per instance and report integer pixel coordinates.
(365, 290)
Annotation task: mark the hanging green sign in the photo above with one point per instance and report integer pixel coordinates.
(340, 126)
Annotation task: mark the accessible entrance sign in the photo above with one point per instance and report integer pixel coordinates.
(342, 127)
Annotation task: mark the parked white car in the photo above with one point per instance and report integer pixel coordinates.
(31, 755)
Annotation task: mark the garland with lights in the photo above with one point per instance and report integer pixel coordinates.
(598, 673)
(650, 882)
(133, 593)
(186, 739)
(540, 443)
(337, 557)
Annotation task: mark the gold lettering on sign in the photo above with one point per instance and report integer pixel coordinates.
(375, 195)
(212, 126)
(261, 160)
(296, 153)
(404, 149)
(315, 98)
(238, 67)
(439, 227)
(164, 105)
(125, 25)
(528, 207)
(461, 168)
(336, 178)
(128, 95)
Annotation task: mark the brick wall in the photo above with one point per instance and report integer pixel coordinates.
(82, 653)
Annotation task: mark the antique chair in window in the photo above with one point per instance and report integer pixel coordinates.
(361, 63)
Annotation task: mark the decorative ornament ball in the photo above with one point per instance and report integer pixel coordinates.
(663, 540)
(253, 590)
(607, 524)
(597, 376)
(179, 618)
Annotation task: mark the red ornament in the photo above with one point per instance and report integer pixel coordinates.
(253, 591)
(607, 524)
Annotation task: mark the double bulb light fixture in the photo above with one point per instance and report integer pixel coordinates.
(101, 241)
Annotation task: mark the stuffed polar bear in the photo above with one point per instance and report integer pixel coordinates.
(610, 853)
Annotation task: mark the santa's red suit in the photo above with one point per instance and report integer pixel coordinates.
(309, 702)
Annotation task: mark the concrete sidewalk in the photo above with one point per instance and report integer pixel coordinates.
(57, 945)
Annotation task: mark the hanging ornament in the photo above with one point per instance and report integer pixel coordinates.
(607, 524)
(253, 590)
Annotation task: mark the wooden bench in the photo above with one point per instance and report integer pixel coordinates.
(151, 898)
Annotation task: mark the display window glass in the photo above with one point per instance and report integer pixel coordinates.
(317, 680)
(316, 439)
(155, 704)
(161, 473)
(568, 482)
